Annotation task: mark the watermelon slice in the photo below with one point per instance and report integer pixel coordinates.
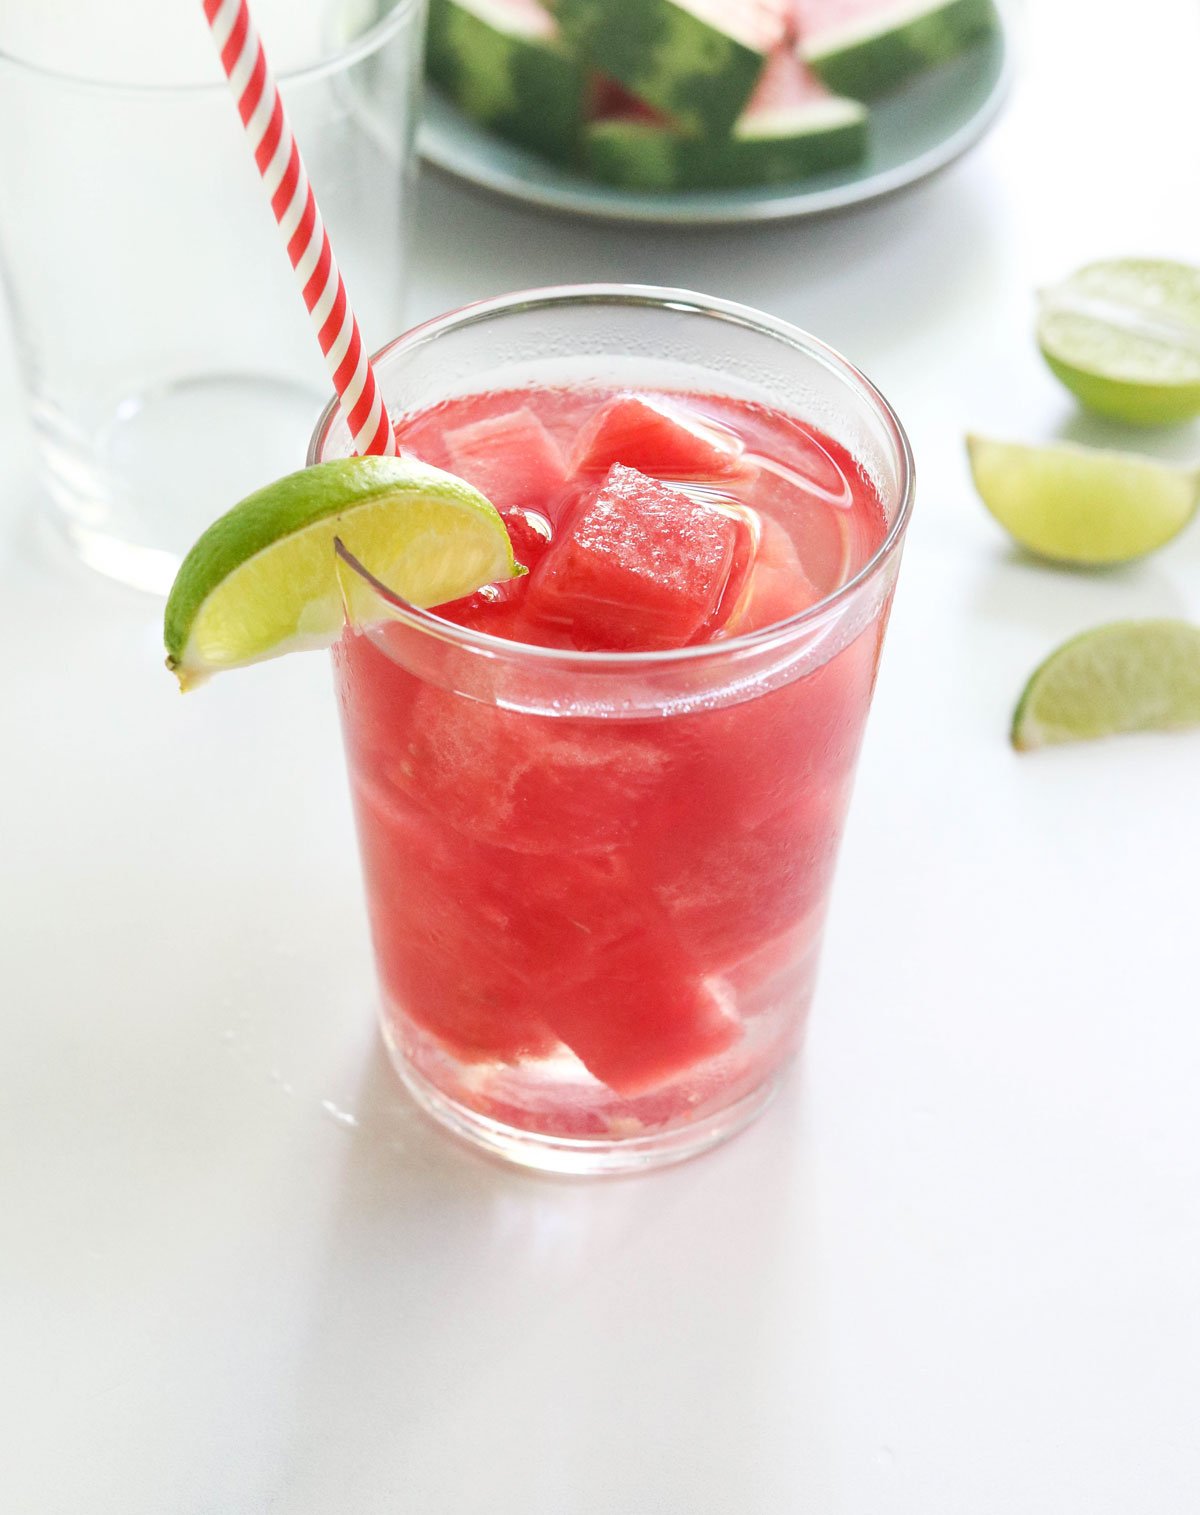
(865, 48)
(696, 60)
(503, 62)
(657, 438)
(640, 567)
(792, 128)
(511, 458)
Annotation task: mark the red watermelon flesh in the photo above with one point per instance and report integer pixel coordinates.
(639, 567)
(785, 82)
(530, 534)
(611, 100)
(634, 1013)
(818, 17)
(440, 965)
(510, 458)
(757, 23)
(496, 608)
(610, 982)
(658, 438)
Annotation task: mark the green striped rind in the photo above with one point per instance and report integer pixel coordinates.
(900, 42)
(1127, 676)
(698, 75)
(780, 149)
(531, 90)
(636, 155)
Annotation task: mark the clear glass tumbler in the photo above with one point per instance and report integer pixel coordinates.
(597, 882)
(151, 296)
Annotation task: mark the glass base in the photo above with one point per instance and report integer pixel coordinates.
(131, 498)
(583, 1157)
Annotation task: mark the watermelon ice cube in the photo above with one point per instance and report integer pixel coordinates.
(658, 438)
(776, 587)
(639, 567)
(543, 785)
(510, 458)
(634, 1012)
(439, 965)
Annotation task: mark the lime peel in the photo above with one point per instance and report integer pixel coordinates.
(1122, 677)
(261, 581)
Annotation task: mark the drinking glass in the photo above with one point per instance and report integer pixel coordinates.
(168, 364)
(624, 854)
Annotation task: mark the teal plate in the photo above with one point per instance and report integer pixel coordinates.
(914, 133)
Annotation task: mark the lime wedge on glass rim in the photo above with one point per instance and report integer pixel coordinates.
(1126, 676)
(1124, 337)
(1083, 505)
(261, 581)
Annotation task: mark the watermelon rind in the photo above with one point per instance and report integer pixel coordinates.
(874, 55)
(516, 79)
(663, 52)
(778, 147)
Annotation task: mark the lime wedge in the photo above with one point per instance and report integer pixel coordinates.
(1128, 676)
(1083, 505)
(261, 580)
(1124, 337)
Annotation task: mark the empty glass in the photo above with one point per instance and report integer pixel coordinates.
(169, 362)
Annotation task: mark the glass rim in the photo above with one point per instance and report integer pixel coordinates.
(660, 297)
(344, 57)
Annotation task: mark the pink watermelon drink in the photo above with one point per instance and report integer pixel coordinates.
(599, 806)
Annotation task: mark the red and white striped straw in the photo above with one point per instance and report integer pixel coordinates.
(278, 158)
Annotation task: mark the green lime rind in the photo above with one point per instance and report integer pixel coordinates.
(1124, 337)
(1085, 506)
(1133, 404)
(261, 580)
(1124, 677)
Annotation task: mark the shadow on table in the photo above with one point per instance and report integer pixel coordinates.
(1046, 597)
(485, 1338)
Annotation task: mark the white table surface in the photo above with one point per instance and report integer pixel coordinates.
(954, 1269)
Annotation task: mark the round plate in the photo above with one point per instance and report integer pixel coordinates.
(913, 133)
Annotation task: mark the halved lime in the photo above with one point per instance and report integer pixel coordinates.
(261, 580)
(1127, 676)
(1124, 337)
(1083, 505)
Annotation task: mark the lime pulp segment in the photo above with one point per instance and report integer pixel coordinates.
(1126, 676)
(1083, 505)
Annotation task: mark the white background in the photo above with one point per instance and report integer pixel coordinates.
(954, 1269)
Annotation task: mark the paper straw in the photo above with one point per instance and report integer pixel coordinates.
(278, 158)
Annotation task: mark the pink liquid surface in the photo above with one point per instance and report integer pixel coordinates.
(599, 926)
